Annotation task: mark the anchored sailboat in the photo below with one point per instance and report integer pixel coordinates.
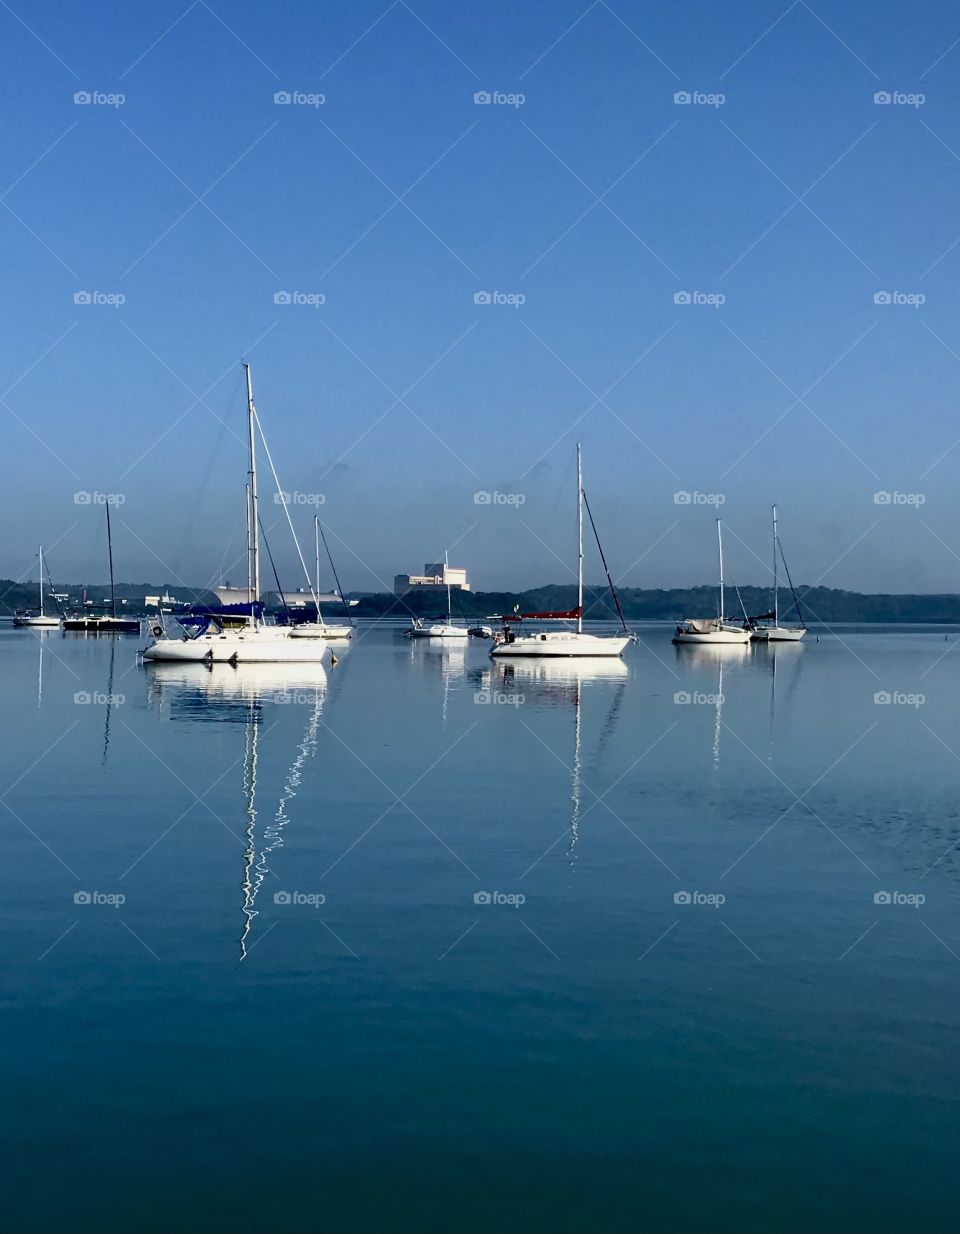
(438, 629)
(509, 642)
(38, 618)
(253, 641)
(714, 629)
(104, 623)
(777, 633)
(319, 628)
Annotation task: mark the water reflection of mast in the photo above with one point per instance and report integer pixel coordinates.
(273, 832)
(251, 741)
(106, 723)
(576, 778)
(718, 720)
(773, 705)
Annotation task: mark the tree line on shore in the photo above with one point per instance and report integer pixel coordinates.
(818, 604)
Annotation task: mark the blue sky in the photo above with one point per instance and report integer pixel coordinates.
(595, 196)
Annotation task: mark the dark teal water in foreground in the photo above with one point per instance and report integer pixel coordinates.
(598, 1056)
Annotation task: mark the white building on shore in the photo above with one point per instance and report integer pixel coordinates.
(436, 576)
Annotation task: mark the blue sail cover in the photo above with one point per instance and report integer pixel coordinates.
(198, 613)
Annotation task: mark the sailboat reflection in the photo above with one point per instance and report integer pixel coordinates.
(562, 683)
(719, 656)
(560, 680)
(773, 650)
(446, 655)
(221, 693)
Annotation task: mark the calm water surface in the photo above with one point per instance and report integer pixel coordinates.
(422, 943)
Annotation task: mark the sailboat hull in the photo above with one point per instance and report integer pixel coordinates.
(778, 634)
(103, 625)
(43, 622)
(438, 629)
(716, 637)
(266, 645)
(313, 630)
(561, 643)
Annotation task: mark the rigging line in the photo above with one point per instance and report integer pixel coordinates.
(613, 590)
(201, 490)
(796, 598)
(286, 510)
(276, 576)
(742, 605)
(52, 594)
(333, 569)
(223, 559)
(561, 491)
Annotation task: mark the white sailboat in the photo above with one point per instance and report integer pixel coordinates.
(39, 618)
(319, 628)
(438, 629)
(778, 633)
(254, 642)
(562, 642)
(717, 630)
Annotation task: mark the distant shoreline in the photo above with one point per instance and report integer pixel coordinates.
(819, 605)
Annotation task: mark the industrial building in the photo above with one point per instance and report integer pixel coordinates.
(436, 576)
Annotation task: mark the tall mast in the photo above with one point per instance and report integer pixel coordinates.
(316, 537)
(246, 509)
(720, 549)
(579, 540)
(253, 536)
(113, 594)
(776, 604)
(446, 575)
(41, 580)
